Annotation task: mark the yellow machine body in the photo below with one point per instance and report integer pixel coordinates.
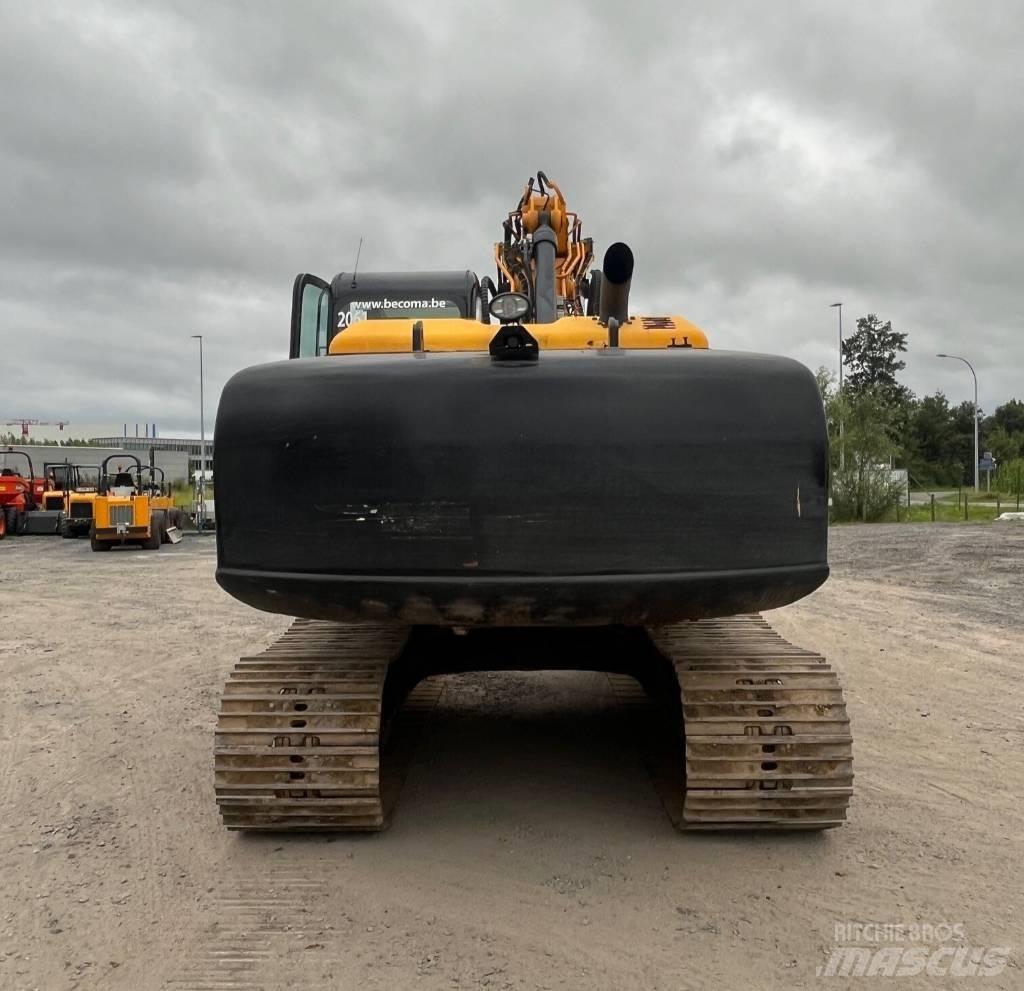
(565, 334)
(54, 499)
(77, 503)
(118, 518)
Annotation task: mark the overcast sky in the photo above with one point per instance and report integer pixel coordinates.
(166, 170)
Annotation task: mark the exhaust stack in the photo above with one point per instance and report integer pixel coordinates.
(616, 277)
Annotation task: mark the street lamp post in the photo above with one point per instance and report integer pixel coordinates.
(201, 514)
(842, 445)
(832, 307)
(975, 377)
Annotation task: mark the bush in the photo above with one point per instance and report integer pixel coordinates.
(1009, 477)
(862, 486)
(865, 492)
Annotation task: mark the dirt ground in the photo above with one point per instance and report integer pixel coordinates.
(529, 849)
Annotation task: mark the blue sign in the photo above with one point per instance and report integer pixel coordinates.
(987, 464)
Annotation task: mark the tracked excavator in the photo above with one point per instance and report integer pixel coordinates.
(522, 474)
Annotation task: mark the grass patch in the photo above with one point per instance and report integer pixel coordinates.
(977, 512)
(1008, 502)
(946, 513)
(184, 498)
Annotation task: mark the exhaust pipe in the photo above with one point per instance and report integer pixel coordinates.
(616, 276)
(544, 247)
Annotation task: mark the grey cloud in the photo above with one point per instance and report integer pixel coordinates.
(168, 168)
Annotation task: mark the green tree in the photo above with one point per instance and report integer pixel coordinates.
(862, 487)
(961, 443)
(826, 383)
(1009, 478)
(1010, 416)
(871, 357)
(1002, 433)
(927, 443)
(1003, 445)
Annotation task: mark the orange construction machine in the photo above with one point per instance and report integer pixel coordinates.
(22, 498)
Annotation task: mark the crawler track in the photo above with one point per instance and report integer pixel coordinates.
(767, 737)
(304, 741)
(302, 725)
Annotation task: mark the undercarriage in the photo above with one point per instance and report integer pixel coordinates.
(739, 728)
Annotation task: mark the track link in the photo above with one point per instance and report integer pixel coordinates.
(302, 727)
(767, 736)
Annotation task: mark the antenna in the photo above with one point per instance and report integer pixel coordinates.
(355, 268)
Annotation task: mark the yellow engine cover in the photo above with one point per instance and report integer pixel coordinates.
(566, 334)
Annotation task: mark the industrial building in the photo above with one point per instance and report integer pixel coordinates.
(188, 450)
(174, 461)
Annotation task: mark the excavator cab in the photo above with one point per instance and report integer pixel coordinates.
(322, 310)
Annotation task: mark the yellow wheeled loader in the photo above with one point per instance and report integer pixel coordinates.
(161, 500)
(123, 514)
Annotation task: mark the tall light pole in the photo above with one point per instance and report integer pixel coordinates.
(832, 307)
(971, 367)
(842, 445)
(201, 514)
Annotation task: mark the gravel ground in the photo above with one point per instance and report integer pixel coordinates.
(529, 849)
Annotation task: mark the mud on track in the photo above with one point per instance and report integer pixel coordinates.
(529, 849)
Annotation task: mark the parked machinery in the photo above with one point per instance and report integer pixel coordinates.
(160, 498)
(122, 512)
(22, 497)
(78, 507)
(60, 478)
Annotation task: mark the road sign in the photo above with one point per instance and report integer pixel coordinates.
(987, 464)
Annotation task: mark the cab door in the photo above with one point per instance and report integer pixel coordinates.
(312, 307)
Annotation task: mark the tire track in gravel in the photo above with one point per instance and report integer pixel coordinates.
(255, 928)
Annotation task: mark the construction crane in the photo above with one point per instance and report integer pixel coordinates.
(26, 423)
